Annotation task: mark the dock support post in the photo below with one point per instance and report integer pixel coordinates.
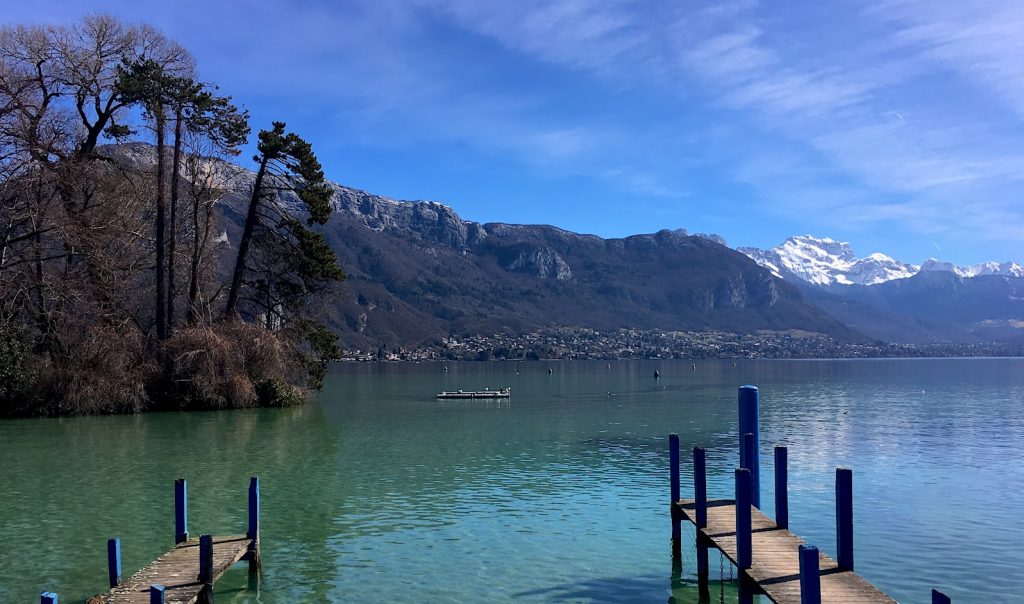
(782, 487)
(746, 444)
(744, 551)
(156, 594)
(114, 561)
(748, 414)
(180, 511)
(254, 524)
(700, 495)
(810, 578)
(940, 598)
(844, 518)
(48, 597)
(673, 462)
(206, 568)
(746, 590)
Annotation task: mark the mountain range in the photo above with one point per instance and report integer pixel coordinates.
(419, 273)
(886, 299)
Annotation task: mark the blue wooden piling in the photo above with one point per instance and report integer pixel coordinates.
(810, 577)
(114, 561)
(254, 509)
(748, 416)
(782, 487)
(744, 551)
(48, 597)
(180, 511)
(206, 559)
(673, 455)
(940, 598)
(700, 495)
(844, 518)
(700, 486)
(156, 594)
(747, 445)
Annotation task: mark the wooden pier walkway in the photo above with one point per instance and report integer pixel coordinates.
(775, 564)
(178, 571)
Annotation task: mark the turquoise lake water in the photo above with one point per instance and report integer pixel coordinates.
(380, 493)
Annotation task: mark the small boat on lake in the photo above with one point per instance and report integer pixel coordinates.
(485, 393)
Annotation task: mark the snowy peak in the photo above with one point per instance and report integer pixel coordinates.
(825, 261)
(1007, 269)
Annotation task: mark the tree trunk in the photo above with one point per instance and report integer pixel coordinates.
(197, 258)
(161, 211)
(172, 241)
(243, 244)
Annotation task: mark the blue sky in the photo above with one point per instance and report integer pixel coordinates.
(893, 124)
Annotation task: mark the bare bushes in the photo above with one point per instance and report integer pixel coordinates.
(229, 365)
(105, 372)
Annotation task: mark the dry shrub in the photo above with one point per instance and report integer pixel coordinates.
(105, 372)
(223, 366)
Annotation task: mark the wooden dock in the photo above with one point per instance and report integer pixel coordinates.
(775, 564)
(178, 572)
(771, 560)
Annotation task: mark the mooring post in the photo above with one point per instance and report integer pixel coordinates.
(782, 487)
(156, 594)
(700, 486)
(180, 511)
(700, 495)
(48, 597)
(844, 518)
(940, 598)
(254, 523)
(206, 568)
(748, 444)
(673, 462)
(748, 413)
(744, 551)
(114, 561)
(810, 578)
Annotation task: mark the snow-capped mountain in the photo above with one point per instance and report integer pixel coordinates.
(1009, 269)
(825, 261)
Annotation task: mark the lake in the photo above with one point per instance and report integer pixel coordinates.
(378, 492)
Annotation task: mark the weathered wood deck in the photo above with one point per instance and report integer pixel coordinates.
(775, 565)
(178, 572)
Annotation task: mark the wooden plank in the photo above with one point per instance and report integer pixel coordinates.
(178, 572)
(775, 564)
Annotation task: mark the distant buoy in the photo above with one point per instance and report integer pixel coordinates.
(656, 374)
(695, 366)
(550, 371)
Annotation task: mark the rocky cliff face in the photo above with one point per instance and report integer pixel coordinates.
(418, 273)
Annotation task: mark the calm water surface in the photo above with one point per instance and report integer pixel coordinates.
(379, 493)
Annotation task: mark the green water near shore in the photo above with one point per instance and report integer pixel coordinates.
(378, 492)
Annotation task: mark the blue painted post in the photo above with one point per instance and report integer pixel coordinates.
(673, 457)
(48, 597)
(748, 412)
(782, 487)
(206, 559)
(700, 486)
(254, 509)
(114, 561)
(940, 598)
(254, 524)
(844, 518)
(180, 511)
(748, 445)
(810, 578)
(156, 594)
(700, 494)
(744, 550)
